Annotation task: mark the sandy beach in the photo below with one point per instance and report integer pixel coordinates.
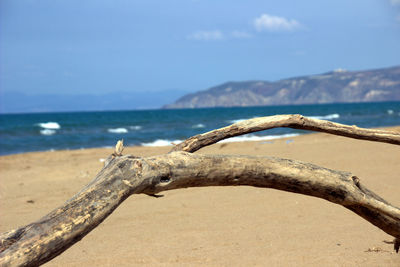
(215, 226)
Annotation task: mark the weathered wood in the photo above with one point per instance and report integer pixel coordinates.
(296, 121)
(39, 242)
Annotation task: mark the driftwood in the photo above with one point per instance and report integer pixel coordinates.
(122, 176)
(196, 142)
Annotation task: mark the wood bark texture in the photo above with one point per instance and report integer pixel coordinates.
(296, 121)
(122, 176)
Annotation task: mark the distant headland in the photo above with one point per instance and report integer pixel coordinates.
(338, 86)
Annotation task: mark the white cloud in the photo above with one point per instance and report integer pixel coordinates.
(241, 35)
(268, 22)
(396, 4)
(206, 35)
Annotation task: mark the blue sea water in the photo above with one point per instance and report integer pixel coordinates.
(74, 130)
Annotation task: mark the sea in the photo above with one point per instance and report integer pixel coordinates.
(29, 132)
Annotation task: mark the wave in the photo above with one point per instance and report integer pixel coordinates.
(49, 125)
(47, 132)
(135, 127)
(256, 138)
(200, 125)
(326, 117)
(390, 111)
(117, 130)
(236, 121)
(162, 142)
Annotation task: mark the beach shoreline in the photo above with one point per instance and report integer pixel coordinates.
(214, 226)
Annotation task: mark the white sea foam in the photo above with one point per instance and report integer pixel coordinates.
(256, 138)
(49, 125)
(117, 130)
(326, 117)
(236, 121)
(240, 120)
(135, 127)
(161, 142)
(390, 111)
(47, 132)
(200, 125)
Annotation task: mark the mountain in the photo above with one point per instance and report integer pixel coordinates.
(339, 86)
(18, 102)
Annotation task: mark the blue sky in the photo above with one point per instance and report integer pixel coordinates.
(101, 46)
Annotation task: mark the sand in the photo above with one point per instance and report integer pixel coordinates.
(214, 226)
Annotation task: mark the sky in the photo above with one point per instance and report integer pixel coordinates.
(103, 46)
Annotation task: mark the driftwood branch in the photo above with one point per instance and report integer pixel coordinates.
(196, 142)
(40, 241)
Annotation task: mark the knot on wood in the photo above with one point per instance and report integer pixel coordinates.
(165, 179)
